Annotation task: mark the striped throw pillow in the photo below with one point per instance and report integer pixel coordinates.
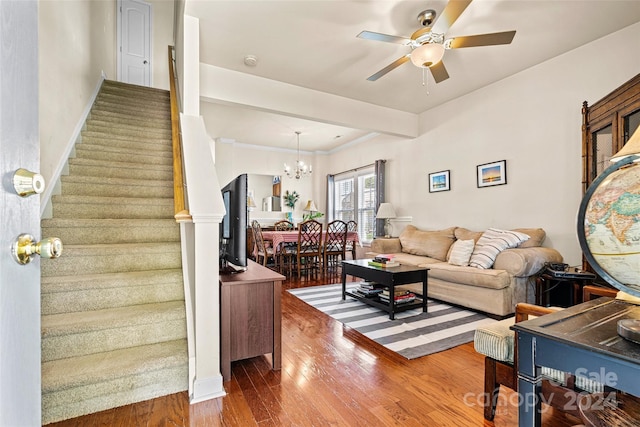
(461, 252)
(492, 242)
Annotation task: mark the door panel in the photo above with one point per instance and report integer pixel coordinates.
(19, 148)
(136, 42)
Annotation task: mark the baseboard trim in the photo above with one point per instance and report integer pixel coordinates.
(207, 389)
(45, 199)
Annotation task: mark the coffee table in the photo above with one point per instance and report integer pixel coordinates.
(387, 276)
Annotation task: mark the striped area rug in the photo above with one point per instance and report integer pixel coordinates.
(412, 334)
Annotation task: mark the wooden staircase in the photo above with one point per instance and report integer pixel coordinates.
(113, 311)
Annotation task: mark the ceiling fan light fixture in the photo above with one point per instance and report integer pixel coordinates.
(427, 55)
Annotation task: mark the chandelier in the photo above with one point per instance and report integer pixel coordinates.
(301, 169)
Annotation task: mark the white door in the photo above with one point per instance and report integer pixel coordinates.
(19, 148)
(135, 42)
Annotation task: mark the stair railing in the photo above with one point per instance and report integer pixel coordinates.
(181, 212)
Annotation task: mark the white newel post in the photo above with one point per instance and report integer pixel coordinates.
(207, 210)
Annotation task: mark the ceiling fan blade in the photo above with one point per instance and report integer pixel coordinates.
(439, 72)
(370, 35)
(395, 64)
(489, 39)
(449, 15)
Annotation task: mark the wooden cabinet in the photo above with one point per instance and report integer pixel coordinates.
(250, 316)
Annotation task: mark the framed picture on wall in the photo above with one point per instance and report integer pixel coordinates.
(490, 174)
(439, 181)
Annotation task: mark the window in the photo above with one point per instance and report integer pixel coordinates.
(354, 198)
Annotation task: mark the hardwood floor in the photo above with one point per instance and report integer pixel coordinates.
(332, 375)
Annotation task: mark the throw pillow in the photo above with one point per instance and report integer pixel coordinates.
(461, 252)
(492, 242)
(536, 237)
(434, 244)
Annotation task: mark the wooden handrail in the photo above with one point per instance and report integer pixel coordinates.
(181, 213)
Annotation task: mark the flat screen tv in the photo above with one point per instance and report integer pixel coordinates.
(233, 229)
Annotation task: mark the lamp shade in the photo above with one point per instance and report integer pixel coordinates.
(427, 55)
(631, 148)
(386, 211)
(311, 207)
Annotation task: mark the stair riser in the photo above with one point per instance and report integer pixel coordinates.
(99, 211)
(134, 125)
(107, 172)
(123, 157)
(83, 189)
(107, 235)
(128, 140)
(145, 147)
(61, 347)
(128, 131)
(69, 264)
(129, 151)
(114, 87)
(99, 299)
(137, 111)
(141, 102)
(70, 403)
(101, 116)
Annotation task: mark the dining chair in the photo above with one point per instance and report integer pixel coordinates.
(309, 249)
(262, 250)
(352, 226)
(284, 225)
(497, 342)
(335, 243)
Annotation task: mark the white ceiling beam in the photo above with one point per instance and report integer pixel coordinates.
(220, 85)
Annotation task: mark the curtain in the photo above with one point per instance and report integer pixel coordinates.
(330, 198)
(380, 183)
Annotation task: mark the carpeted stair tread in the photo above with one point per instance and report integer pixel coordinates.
(86, 206)
(138, 138)
(133, 151)
(126, 143)
(101, 200)
(78, 322)
(73, 372)
(92, 231)
(148, 158)
(121, 129)
(115, 187)
(109, 280)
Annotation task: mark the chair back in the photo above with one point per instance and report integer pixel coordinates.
(309, 237)
(336, 237)
(257, 237)
(284, 225)
(352, 226)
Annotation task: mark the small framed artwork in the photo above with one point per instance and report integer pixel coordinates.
(439, 181)
(490, 174)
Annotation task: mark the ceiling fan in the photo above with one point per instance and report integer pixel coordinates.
(428, 43)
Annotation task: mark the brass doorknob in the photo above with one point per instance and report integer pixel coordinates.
(25, 247)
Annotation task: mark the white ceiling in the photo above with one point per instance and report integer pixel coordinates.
(313, 44)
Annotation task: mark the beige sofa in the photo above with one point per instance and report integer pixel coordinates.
(495, 289)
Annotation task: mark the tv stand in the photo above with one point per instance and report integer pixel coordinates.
(250, 316)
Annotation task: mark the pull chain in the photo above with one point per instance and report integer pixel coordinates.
(425, 81)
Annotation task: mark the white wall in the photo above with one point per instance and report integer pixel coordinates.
(532, 119)
(77, 43)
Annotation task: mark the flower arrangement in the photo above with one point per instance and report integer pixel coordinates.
(290, 199)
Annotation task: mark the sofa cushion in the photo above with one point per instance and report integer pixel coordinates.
(491, 279)
(414, 260)
(492, 242)
(536, 237)
(465, 234)
(461, 251)
(434, 244)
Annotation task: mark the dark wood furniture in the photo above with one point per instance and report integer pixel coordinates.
(352, 227)
(387, 276)
(309, 249)
(251, 244)
(250, 316)
(546, 284)
(498, 372)
(581, 339)
(606, 126)
(601, 410)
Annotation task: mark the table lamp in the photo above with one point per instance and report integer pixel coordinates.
(386, 212)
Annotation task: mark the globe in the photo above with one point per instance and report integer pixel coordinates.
(609, 225)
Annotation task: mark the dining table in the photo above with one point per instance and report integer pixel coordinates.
(279, 238)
